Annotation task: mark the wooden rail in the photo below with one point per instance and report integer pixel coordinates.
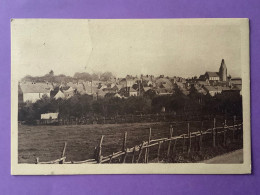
(187, 143)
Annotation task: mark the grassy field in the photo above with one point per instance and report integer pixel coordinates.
(46, 142)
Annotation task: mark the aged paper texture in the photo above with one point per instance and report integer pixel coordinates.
(130, 96)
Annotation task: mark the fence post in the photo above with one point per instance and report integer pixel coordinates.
(217, 137)
(233, 131)
(133, 157)
(140, 152)
(169, 145)
(99, 154)
(37, 160)
(200, 140)
(196, 148)
(111, 157)
(64, 149)
(63, 153)
(158, 152)
(174, 146)
(214, 134)
(183, 143)
(224, 134)
(124, 148)
(146, 158)
(189, 143)
(189, 134)
(201, 136)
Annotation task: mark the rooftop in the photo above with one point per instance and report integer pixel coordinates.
(32, 87)
(212, 74)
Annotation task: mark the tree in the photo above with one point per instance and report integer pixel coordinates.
(84, 76)
(27, 78)
(51, 73)
(95, 77)
(106, 76)
(150, 94)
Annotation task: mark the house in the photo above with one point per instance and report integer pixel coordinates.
(180, 85)
(90, 87)
(31, 91)
(146, 89)
(119, 86)
(60, 94)
(69, 92)
(110, 90)
(127, 82)
(79, 87)
(237, 89)
(213, 90)
(118, 95)
(212, 76)
(202, 83)
(235, 82)
(146, 77)
(95, 83)
(150, 83)
(130, 82)
(100, 93)
(115, 88)
(132, 92)
(201, 90)
(163, 81)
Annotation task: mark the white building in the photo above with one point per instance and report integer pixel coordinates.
(52, 116)
(31, 91)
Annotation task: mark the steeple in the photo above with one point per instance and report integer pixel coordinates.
(223, 71)
(223, 65)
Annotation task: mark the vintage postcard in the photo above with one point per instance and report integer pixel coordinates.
(130, 96)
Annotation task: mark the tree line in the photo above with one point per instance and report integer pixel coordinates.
(51, 77)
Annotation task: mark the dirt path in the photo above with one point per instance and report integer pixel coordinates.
(230, 158)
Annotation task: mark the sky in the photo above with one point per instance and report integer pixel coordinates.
(170, 47)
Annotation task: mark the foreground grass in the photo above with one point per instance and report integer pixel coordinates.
(46, 142)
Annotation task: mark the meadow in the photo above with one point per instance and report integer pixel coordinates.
(46, 141)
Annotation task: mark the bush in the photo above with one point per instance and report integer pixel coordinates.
(81, 106)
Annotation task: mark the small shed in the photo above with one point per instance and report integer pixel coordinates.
(50, 116)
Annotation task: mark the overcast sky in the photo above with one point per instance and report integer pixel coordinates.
(169, 47)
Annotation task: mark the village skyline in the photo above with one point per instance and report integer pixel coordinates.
(138, 75)
(186, 75)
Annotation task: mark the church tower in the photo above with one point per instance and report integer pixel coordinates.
(223, 71)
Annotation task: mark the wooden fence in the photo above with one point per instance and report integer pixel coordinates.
(159, 150)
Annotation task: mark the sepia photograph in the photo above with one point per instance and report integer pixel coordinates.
(130, 96)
